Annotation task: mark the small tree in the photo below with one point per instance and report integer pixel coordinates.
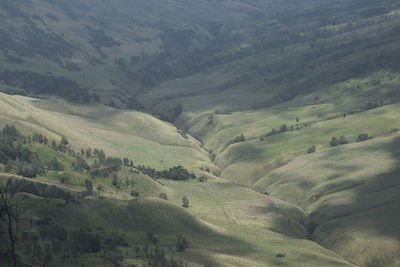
(181, 243)
(9, 221)
(311, 149)
(88, 152)
(362, 137)
(54, 145)
(283, 128)
(55, 165)
(163, 196)
(64, 141)
(100, 188)
(115, 180)
(10, 165)
(88, 185)
(185, 202)
(134, 193)
(334, 141)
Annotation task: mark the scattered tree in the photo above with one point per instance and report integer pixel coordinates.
(134, 193)
(283, 128)
(311, 149)
(163, 196)
(363, 137)
(181, 243)
(8, 222)
(185, 202)
(64, 141)
(100, 188)
(334, 141)
(88, 185)
(114, 180)
(55, 165)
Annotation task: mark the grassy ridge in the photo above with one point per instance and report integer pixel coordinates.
(248, 161)
(349, 193)
(135, 135)
(226, 224)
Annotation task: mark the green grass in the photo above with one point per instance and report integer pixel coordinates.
(349, 193)
(246, 162)
(228, 223)
(268, 225)
(138, 136)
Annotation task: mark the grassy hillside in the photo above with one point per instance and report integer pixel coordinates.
(135, 135)
(226, 224)
(346, 192)
(248, 55)
(214, 241)
(349, 192)
(337, 115)
(287, 112)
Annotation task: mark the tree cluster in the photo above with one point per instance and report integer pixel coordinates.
(15, 156)
(156, 257)
(174, 173)
(335, 141)
(237, 139)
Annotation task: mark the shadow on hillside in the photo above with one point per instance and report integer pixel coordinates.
(136, 218)
(378, 192)
(371, 209)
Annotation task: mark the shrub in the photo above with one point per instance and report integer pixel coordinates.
(363, 137)
(185, 202)
(283, 128)
(55, 165)
(163, 196)
(202, 179)
(135, 193)
(181, 243)
(311, 149)
(114, 180)
(334, 141)
(88, 185)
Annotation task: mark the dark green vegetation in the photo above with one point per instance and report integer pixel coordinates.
(253, 54)
(48, 241)
(286, 111)
(97, 193)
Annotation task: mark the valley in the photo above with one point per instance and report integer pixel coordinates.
(199, 133)
(251, 213)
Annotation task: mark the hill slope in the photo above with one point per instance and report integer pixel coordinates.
(253, 54)
(226, 224)
(136, 135)
(350, 193)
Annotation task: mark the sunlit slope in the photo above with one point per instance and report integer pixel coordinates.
(135, 135)
(351, 194)
(248, 161)
(226, 224)
(222, 230)
(267, 225)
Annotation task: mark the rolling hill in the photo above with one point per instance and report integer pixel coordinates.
(285, 114)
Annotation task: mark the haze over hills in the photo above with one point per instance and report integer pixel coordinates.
(278, 121)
